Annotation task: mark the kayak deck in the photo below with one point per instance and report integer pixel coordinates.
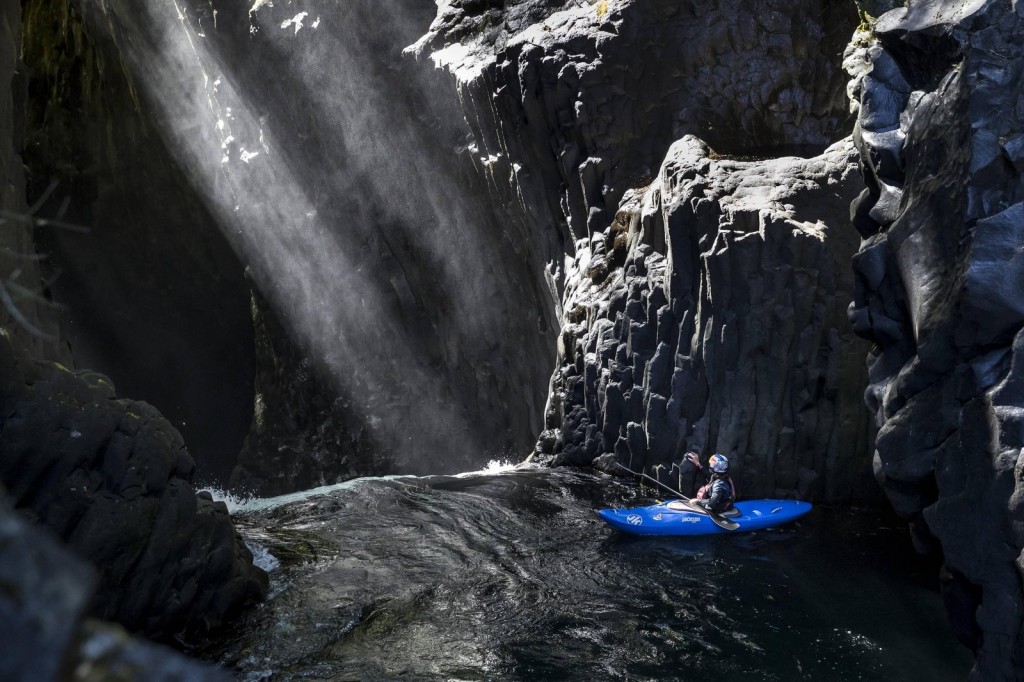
(675, 518)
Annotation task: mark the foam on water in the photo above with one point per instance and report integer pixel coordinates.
(261, 556)
(496, 466)
(242, 505)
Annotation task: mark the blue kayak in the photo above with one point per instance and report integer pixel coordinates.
(676, 518)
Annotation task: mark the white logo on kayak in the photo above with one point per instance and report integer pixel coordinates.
(657, 517)
(691, 519)
(634, 520)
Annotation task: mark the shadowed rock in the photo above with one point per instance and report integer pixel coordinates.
(44, 630)
(112, 479)
(23, 309)
(711, 313)
(938, 291)
(150, 292)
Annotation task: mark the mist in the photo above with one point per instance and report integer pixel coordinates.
(329, 172)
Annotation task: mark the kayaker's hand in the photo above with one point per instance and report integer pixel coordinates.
(693, 459)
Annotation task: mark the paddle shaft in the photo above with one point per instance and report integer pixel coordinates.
(718, 519)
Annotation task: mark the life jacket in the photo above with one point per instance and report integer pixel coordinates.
(706, 490)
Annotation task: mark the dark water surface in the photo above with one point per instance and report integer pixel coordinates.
(512, 576)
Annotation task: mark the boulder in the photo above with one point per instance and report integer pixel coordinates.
(111, 478)
(45, 632)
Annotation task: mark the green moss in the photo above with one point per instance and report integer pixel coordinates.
(867, 22)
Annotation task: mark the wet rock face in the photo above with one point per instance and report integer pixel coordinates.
(44, 626)
(112, 479)
(711, 316)
(940, 127)
(23, 308)
(304, 433)
(572, 103)
(151, 293)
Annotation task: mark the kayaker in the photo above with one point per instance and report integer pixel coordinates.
(719, 492)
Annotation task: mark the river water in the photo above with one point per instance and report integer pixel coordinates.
(512, 576)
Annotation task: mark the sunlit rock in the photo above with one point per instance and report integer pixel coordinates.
(721, 326)
(574, 103)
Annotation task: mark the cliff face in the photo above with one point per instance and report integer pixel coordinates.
(150, 291)
(705, 310)
(938, 278)
(23, 305)
(107, 478)
(572, 103)
(712, 314)
(332, 166)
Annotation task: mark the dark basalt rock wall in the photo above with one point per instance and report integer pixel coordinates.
(112, 479)
(711, 315)
(118, 498)
(717, 325)
(363, 227)
(572, 103)
(941, 131)
(23, 306)
(150, 290)
(44, 626)
(304, 433)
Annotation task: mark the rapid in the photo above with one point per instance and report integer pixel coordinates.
(508, 574)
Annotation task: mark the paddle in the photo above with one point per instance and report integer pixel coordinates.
(718, 519)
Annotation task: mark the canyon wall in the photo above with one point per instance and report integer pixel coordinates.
(940, 127)
(151, 294)
(97, 517)
(24, 308)
(333, 168)
(707, 309)
(711, 315)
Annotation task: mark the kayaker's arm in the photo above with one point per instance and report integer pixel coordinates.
(700, 477)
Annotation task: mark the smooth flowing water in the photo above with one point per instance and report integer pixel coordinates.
(511, 576)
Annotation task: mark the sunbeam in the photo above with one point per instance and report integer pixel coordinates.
(284, 224)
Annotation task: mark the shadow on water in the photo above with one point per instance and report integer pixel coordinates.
(513, 577)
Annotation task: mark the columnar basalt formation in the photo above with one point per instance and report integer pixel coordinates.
(111, 478)
(717, 326)
(572, 103)
(712, 315)
(940, 127)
